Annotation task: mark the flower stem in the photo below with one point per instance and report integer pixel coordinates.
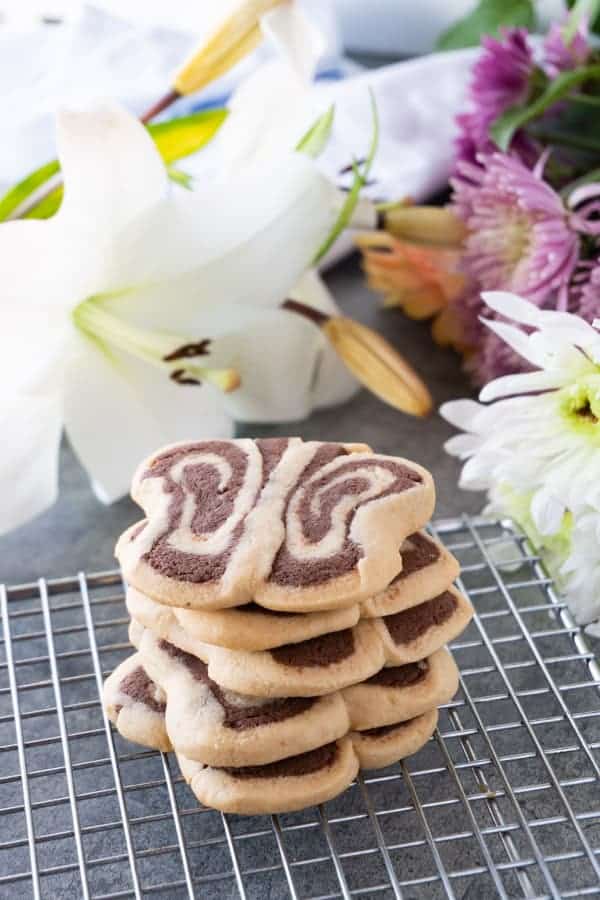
(163, 103)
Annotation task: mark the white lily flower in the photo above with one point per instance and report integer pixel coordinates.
(536, 447)
(136, 288)
(272, 107)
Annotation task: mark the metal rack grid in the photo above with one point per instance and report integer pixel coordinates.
(503, 801)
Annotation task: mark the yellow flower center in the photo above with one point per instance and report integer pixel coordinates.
(580, 405)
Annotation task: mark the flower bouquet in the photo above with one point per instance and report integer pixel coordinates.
(525, 195)
(509, 271)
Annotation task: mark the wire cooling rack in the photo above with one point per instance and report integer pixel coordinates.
(503, 801)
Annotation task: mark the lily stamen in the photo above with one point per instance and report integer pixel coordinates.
(157, 348)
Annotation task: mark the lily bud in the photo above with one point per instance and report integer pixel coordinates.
(371, 359)
(237, 36)
(378, 366)
(232, 40)
(436, 225)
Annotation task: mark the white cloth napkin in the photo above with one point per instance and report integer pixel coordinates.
(99, 54)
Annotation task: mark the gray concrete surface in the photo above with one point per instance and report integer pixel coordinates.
(79, 533)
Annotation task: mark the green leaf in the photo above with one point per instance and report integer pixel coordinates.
(505, 126)
(17, 195)
(360, 178)
(584, 99)
(588, 8)
(174, 139)
(181, 137)
(47, 206)
(180, 177)
(487, 18)
(315, 140)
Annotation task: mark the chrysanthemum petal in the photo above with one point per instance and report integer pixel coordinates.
(547, 511)
(513, 307)
(476, 474)
(460, 413)
(521, 383)
(463, 445)
(515, 338)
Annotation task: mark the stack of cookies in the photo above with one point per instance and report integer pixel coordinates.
(289, 617)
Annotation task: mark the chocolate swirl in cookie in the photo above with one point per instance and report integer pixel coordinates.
(139, 686)
(400, 676)
(385, 729)
(418, 551)
(320, 651)
(410, 624)
(302, 764)
(211, 492)
(210, 504)
(320, 510)
(242, 714)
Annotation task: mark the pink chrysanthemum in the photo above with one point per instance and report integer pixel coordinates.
(587, 294)
(500, 79)
(520, 235)
(493, 359)
(562, 57)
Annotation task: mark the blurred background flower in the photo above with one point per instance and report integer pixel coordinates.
(525, 189)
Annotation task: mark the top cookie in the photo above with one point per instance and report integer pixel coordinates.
(293, 525)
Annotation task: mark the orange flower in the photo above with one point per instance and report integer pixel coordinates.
(414, 263)
(419, 279)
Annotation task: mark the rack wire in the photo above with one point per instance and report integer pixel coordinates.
(503, 800)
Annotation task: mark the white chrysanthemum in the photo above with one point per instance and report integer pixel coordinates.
(536, 448)
(582, 569)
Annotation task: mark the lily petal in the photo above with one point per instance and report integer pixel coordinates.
(276, 354)
(254, 258)
(295, 37)
(268, 114)
(31, 429)
(111, 169)
(139, 409)
(333, 382)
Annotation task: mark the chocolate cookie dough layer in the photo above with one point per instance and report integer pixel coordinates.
(419, 631)
(402, 692)
(326, 663)
(293, 526)
(291, 784)
(247, 627)
(136, 705)
(378, 747)
(218, 727)
(427, 570)
(307, 669)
